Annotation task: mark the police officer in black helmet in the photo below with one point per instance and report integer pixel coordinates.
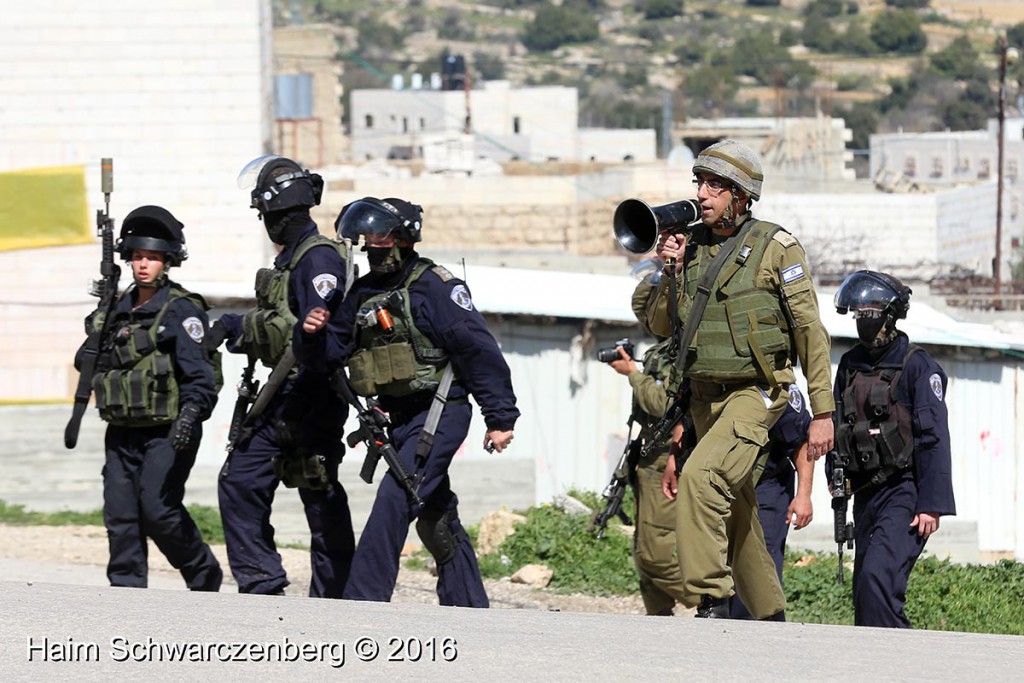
(154, 386)
(297, 438)
(431, 336)
(892, 433)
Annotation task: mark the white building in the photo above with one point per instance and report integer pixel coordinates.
(965, 160)
(536, 123)
(179, 95)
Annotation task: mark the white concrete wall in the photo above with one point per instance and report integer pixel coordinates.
(175, 93)
(613, 146)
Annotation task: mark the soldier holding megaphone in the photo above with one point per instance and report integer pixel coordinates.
(746, 310)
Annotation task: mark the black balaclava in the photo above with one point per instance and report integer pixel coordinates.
(385, 260)
(285, 227)
(876, 333)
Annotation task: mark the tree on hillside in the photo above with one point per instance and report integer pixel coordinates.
(908, 4)
(764, 3)
(757, 54)
(898, 31)
(554, 26)
(957, 60)
(662, 9)
(862, 120)
(824, 8)
(818, 33)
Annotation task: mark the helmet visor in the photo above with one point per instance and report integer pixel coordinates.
(364, 218)
(864, 295)
(251, 173)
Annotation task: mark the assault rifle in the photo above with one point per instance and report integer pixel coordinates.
(615, 491)
(662, 429)
(247, 391)
(840, 504)
(373, 424)
(96, 324)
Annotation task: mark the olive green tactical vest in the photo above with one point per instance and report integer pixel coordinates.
(401, 361)
(267, 329)
(743, 334)
(659, 362)
(138, 387)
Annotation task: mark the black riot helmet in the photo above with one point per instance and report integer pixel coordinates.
(877, 301)
(155, 229)
(278, 184)
(372, 216)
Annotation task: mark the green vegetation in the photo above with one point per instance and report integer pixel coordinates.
(941, 596)
(206, 518)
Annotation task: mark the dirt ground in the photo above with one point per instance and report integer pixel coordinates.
(87, 546)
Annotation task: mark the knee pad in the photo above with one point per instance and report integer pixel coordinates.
(435, 530)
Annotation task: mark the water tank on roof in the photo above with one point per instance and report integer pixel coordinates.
(397, 82)
(435, 81)
(416, 81)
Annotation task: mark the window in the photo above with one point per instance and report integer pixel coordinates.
(423, 124)
(984, 168)
(515, 125)
(910, 167)
(936, 167)
(405, 124)
(369, 120)
(293, 96)
(1012, 170)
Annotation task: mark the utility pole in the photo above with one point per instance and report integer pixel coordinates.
(996, 267)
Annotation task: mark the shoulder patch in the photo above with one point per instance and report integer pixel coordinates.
(324, 284)
(784, 238)
(460, 295)
(443, 273)
(796, 399)
(194, 328)
(794, 272)
(936, 384)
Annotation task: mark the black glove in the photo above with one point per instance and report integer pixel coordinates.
(184, 427)
(215, 336)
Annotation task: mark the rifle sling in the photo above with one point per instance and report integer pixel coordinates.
(426, 439)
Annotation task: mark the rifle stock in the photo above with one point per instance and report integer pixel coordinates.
(106, 289)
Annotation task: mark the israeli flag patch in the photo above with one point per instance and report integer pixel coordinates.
(324, 284)
(460, 295)
(936, 384)
(796, 399)
(793, 273)
(194, 328)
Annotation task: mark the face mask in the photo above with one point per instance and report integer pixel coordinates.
(384, 259)
(876, 332)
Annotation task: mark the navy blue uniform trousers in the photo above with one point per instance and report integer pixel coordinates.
(143, 488)
(246, 493)
(887, 548)
(376, 562)
(774, 495)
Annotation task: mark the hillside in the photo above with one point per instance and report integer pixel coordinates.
(859, 58)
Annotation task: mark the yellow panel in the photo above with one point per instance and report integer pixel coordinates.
(44, 207)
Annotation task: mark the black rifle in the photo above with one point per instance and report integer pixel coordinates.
(840, 505)
(247, 391)
(615, 491)
(373, 426)
(662, 429)
(106, 289)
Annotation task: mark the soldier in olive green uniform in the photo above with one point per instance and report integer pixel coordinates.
(762, 314)
(654, 541)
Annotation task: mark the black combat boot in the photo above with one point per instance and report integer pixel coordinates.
(712, 608)
(778, 616)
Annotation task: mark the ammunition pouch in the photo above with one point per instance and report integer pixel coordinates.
(141, 396)
(301, 468)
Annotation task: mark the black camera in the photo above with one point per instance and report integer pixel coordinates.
(607, 355)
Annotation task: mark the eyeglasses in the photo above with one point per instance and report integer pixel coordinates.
(715, 186)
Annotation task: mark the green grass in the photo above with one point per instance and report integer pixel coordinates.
(942, 595)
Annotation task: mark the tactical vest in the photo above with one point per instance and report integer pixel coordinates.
(743, 334)
(399, 361)
(136, 386)
(875, 430)
(659, 362)
(267, 329)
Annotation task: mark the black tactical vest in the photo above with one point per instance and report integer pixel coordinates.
(875, 431)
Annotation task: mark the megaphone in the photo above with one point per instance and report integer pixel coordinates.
(637, 224)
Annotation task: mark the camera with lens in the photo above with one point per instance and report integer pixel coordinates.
(607, 355)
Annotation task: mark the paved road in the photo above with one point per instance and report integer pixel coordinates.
(83, 633)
